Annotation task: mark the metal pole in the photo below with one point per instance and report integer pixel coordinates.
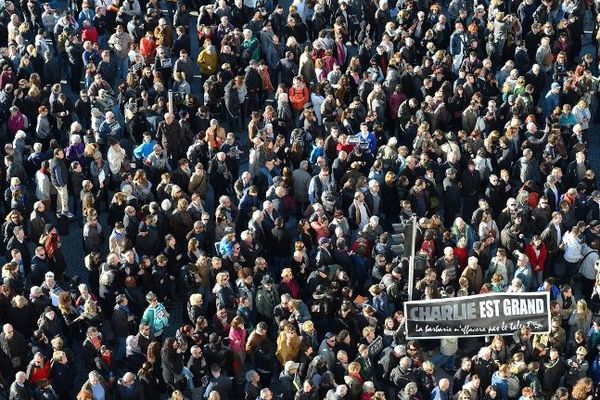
(171, 108)
(411, 260)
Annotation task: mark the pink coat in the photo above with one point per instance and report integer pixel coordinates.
(237, 339)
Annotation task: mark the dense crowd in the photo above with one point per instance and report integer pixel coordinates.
(242, 198)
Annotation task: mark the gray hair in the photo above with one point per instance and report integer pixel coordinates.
(251, 374)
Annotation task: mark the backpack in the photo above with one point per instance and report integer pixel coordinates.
(330, 200)
(514, 387)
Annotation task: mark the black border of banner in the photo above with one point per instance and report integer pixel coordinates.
(471, 298)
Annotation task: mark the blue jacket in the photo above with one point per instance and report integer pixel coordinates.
(554, 292)
(501, 386)
(143, 150)
(369, 143)
(225, 247)
(246, 204)
(316, 153)
(550, 102)
(439, 394)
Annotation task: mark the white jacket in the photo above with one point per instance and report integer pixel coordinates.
(572, 247)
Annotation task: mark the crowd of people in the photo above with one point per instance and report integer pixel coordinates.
(238, 174)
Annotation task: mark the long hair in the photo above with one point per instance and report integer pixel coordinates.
(51, 245)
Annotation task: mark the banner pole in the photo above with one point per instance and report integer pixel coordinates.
(411, 260)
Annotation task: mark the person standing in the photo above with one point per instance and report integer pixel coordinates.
(119, 42)
(20, 389)
(59, 175)
(156, 316)
(121, 322)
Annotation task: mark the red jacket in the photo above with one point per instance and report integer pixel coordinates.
(462, 256)
(536, 261)
(292, 288)
(36, 373)
(147, 47)
(90, 34)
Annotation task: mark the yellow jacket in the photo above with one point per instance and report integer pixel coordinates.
(207, 62)
(287, 350)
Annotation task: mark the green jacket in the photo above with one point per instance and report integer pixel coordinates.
(251, 49)
(266, 301)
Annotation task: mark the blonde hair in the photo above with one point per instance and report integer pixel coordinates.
(428, 366)
(308, 326)
(19, 301)
(221, 276)
(57, 344)
(354, 367)
(59, 356)
(196, 299)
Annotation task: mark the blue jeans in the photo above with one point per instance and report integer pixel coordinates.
(123, 66)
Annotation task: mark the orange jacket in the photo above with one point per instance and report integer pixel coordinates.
(298, 97)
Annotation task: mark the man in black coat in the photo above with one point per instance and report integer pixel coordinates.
(39, 267)
(452, 197)
(18, 243)
(144, 338)
(129, 388)
(471, 182)
(281, 244)
(554, 370)
(83, 109)
(14, 346)
(108, 67)
(222, 384)
(51, 71)
(220, 177)
(121, 319)
(6, 101)
(74, 50)
(169, 135)
(253, 82)
(61, 109)
(287, 69)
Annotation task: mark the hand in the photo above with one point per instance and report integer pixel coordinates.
(172, 278)
(178, 257)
